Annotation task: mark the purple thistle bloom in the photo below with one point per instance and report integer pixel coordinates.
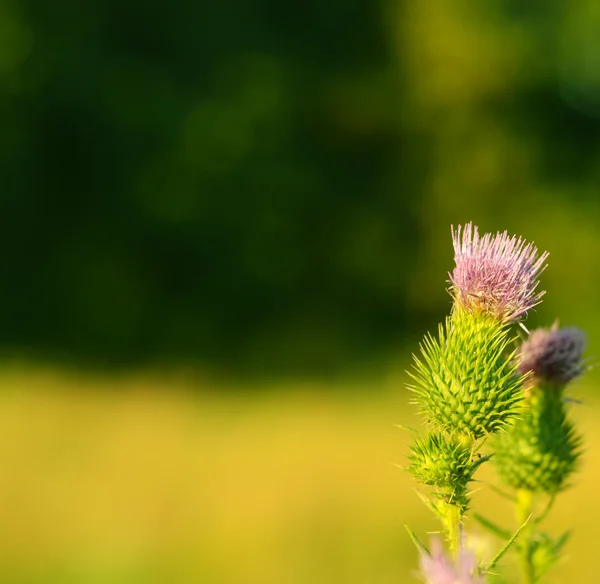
(553, 355)
(495, 273)
(438, 569)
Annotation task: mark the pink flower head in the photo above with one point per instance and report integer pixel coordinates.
(553, 355)
(438, 569)
(495, 273)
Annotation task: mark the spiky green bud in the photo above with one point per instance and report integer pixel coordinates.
(540, 451)
(467, 381)
(446, 462)
(443, 461)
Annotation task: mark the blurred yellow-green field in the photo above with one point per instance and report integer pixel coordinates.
(165, 480)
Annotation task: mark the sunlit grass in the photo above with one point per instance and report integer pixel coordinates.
(149, 480)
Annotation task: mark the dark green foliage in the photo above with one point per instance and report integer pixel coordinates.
(539, 452)
(466, 381)
(176, 182)
(263, 184)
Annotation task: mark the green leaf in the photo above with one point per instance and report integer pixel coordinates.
(512, 540)
(495, 529)
(478, 462)
(547, 552)
(427, 502)
(561, 541)
(546, 510)
(410, 429)
(502, 493)
(421, 547)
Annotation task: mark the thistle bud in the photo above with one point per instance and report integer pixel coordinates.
(467, 381)
(552, 355)
(447, 463)
(541, 450)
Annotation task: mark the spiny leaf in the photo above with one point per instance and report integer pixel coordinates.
(546, 510)
(427, 502)
(495, 529)
(502, 493)
(512, 540)
(410, 429)
(561, 541)
(421, 547)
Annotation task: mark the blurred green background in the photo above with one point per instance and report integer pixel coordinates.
(225, 226)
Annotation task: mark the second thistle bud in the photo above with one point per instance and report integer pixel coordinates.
(553, 356)
(541, 450)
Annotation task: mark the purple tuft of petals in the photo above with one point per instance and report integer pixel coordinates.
(497, 274)
(438, 569)
(553, 355)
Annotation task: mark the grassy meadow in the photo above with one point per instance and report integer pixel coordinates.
(151, 479)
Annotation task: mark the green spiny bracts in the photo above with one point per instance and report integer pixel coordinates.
(443, 461)
(446, 462)
(467, 381)
(540, 451)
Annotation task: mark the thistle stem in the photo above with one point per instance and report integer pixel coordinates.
(451, 517)
(524, 508)
(454, 529)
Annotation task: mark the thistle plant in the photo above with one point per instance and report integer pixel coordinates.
(467, 383)
(539, 452)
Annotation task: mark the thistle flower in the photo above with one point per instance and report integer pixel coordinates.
(553, 355)
(438, 569)
(495, 274)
